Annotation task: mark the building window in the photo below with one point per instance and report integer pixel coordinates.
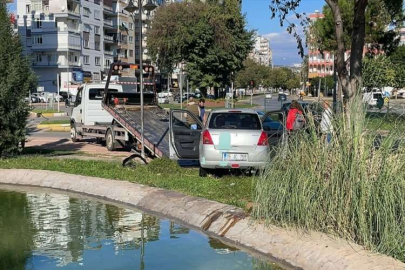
(97, 46)
(39, 58)
(131, 53)
(86, 59)
(38, 23)
(97, 14)
(97, 30)
(86, 43)
(131, 39)
(97, 61)
(86, 38)
(86, 12)
(38, 40)
(131, 26)
(28, 9)
(107, 63)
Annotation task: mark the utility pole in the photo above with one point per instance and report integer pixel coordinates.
(57, 86)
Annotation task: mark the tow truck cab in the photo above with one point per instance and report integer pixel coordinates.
(88, 109)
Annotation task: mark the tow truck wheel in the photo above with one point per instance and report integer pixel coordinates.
(109, 138)
(73, 133)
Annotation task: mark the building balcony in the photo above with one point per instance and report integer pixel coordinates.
(108, 9)
(74, 13)
(108, 22)
(75, 64)
(107, 52)
(45, 64)
(109, 39)
(122, 56)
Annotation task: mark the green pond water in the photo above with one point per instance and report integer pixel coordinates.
(44, 230)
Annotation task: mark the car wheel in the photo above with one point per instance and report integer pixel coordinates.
(73, 133)
(110, 142)
(203, 172)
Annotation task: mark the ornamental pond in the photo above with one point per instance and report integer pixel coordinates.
(47, 230)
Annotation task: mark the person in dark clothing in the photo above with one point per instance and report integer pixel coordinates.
(201, 113)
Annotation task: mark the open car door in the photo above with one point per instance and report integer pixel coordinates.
(274, 125)
(185, 133)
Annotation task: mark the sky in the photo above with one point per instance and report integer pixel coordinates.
(258, 16)
(283, 45)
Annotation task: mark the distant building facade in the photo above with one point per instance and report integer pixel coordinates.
(262, 53)
(319, 64)
(76, 40)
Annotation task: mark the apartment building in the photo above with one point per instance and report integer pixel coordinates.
(262, 53)
(75, 40)
(319, 64)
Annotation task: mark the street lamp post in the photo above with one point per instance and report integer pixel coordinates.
(131, 9)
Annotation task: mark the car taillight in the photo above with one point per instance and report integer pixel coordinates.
(263, 140)
(206, 137)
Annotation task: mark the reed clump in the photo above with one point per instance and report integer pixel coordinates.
(352, 187)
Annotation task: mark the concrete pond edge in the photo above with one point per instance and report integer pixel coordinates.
(290, 248)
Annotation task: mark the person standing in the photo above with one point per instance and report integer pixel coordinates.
(193, 108)
(295, 117)
(326, 122)
(201, 109)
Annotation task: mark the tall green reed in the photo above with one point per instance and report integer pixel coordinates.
(352, 187)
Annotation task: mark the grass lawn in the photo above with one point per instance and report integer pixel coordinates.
(44, 110)
(53, 122)
(385, 121)
(162, 173)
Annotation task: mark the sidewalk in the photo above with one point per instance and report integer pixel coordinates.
(63, 144)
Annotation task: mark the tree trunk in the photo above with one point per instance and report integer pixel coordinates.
(342, 72)
(356, 54)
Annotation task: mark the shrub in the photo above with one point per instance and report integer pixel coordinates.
(16, 79)
(353, 187)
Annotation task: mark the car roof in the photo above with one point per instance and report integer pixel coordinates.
(234, 110)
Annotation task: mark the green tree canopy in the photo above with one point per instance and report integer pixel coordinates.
(265, 76)
(16, 80)
(378, 17)
(378, 72)
(211, 39)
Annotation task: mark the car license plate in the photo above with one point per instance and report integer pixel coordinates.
(234, 157)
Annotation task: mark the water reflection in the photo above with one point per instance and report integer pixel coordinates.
(49, 230)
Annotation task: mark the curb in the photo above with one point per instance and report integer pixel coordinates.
(290, 247)
(49, 114)
(55, 127)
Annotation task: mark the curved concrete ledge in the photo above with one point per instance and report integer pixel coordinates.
(299, 250)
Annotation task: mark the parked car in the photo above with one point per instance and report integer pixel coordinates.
(233, 139)
(163, 98)
(210, 97)
(40, 97)
(35, 99)
(269, 96)
(186, 97)
(57, 98)
(371, 98)
(282, 97)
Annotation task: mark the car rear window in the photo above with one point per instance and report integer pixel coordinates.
(248, 121)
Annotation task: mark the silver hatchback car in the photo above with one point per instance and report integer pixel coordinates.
(233, 139)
